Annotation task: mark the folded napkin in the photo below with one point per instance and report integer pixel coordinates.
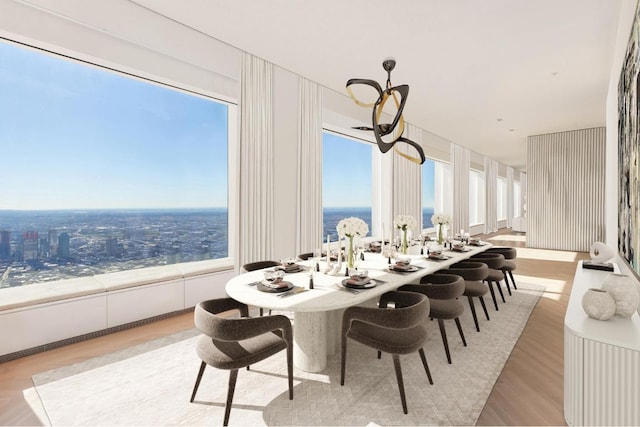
(276, 285)
(402, 266)
(289, 267)
(357, 281)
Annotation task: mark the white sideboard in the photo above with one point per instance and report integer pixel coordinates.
(601, 361)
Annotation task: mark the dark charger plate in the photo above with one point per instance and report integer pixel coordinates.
(264, 288)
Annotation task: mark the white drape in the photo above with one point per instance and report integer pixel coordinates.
(309, 207)
(461, 162)
(256, 210)
(510, 201)
(491, 195)
(407, 188)
(523, 194)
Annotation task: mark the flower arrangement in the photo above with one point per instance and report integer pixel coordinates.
(404, 222)
(352, 227)
(442, 220)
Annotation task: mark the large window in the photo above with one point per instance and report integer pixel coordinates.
(476, 197)
(516, 199)
(502, 198)
(428, 192)
(104, 172)
(436, 190)
(346, 181)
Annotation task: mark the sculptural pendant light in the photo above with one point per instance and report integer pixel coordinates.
(393, 131)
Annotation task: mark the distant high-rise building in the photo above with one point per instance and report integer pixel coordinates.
(30, 245)
(63, 245)
(53, 242)
(5, 247)
(112, 247)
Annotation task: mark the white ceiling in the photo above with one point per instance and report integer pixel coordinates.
(540, 65)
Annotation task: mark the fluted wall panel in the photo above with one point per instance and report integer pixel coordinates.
(565, 186)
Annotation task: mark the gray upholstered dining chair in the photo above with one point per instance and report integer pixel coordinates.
(509, 265)
(494, 262)
(234, 343)
(443, 291)
(398, 330)
(473, 274)
(259, 265)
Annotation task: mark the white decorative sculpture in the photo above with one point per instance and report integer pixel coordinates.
(624, 293)
(598, 304)
(600, 252)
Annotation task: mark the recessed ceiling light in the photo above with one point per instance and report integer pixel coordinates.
(555, 73)
(499, 119)
(511, 130)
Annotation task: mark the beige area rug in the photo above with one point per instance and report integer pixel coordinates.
(150, 384)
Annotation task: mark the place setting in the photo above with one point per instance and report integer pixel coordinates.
(289, 266)
(403, 265)
(358, 281)
(435, 254)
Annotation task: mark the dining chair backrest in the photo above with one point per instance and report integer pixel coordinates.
(440, 286)
(493, 260)
(469, 270)
(259, 265)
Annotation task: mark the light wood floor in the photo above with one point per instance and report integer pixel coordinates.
(529, 390)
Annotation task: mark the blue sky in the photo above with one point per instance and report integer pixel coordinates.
(346, 172)
(74, 136)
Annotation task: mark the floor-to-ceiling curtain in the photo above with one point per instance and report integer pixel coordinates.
(510, 201)
(461, 162)
(309, 215)
(407, 190)
(523, 194)
(491, 195)
(256, 210)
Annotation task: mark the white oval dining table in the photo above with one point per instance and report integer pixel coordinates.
(318, 312)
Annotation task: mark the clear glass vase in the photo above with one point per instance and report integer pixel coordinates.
(405, 245)
(351, 259)
(440, 234)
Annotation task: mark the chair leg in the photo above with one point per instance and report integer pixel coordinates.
(343, 360)
(500, 290)
(506, 280)
(426, 365)
(484, 306)
(513, 281)
(379, 354)
(464, 342)
(195, 388)
(290, 370)
(473, 312)
(396, 364)
(261, 311)
(443, 333)
(493, 295)
(233, 376)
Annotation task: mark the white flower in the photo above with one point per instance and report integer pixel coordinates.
(352, 227)
(405, 222)
(440, 218)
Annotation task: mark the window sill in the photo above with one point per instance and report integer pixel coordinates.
(40, 293)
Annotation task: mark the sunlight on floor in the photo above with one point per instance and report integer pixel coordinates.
(547, 254)
(33, 400)
(510, 238)
(554, 289)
